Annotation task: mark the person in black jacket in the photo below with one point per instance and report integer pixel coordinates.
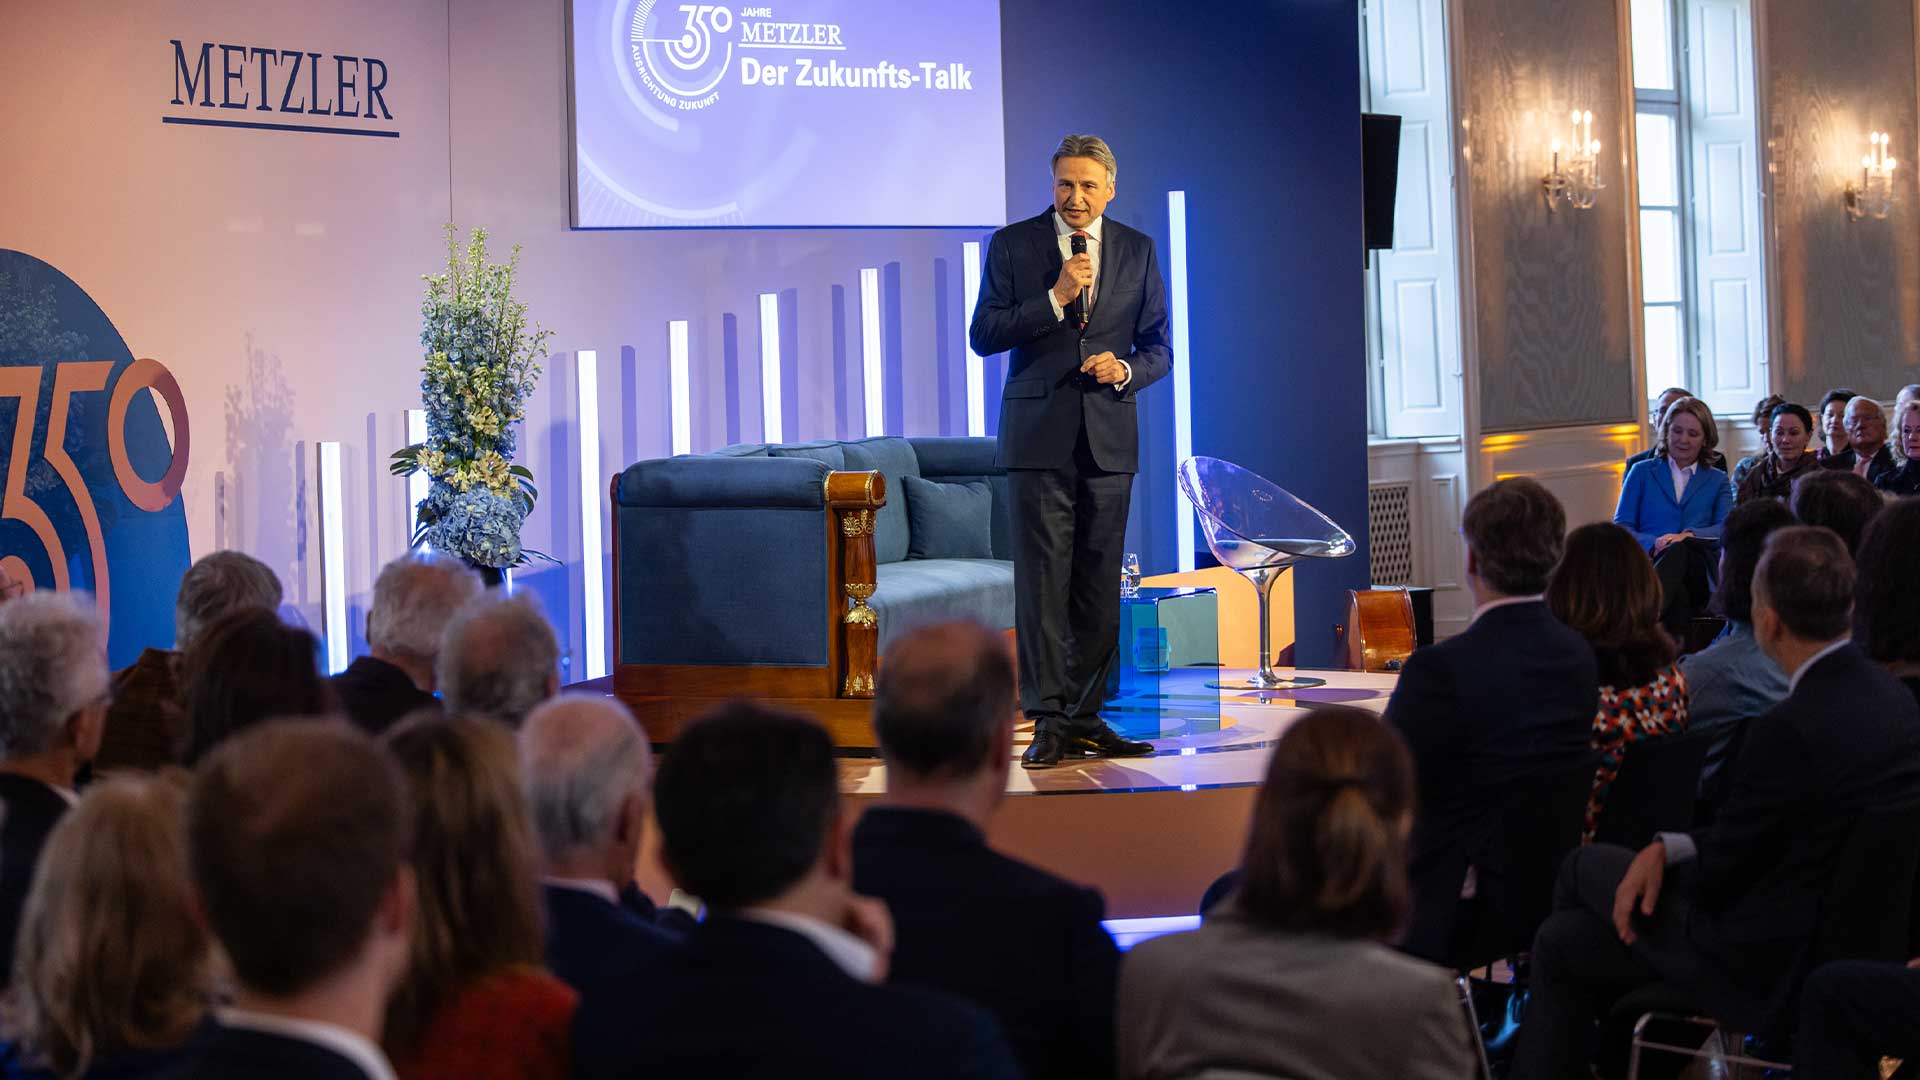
(53, 708)
(414, 599)
(967, 919)
(1727, 913)
(786, 975)
(1512, 696)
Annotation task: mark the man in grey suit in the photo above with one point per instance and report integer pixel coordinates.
(1079, 302)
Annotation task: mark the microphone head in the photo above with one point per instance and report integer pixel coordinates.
(1078, 242)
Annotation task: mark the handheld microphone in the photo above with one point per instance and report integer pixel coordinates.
(1078, 242)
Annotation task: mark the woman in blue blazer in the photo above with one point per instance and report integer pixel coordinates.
(1674, 503)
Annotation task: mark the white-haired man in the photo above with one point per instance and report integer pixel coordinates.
(585, 766)
(499, 658)
(414, 598)
(53, 707)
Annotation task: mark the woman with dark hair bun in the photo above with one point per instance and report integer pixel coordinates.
(1763, 423)
(1291, 975)
(1789, 427)
(1606, 589)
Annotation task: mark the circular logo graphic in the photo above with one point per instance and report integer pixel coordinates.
(680, 52)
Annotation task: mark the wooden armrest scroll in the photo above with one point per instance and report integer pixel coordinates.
(854, 499)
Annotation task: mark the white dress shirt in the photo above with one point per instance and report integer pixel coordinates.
(853, 956)
(348, 1044)
(1680, 478)
(1063, 233)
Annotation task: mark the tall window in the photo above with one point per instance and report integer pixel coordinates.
(1696, 143)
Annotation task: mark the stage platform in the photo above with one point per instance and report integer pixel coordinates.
(1151, 833)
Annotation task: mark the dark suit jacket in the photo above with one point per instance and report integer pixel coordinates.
(1014, 938)
(748, 999)
(1513, 695)
(1046, 399)
(590, 940)
(1845, 742)
(1880, 466)
(376, 694)
(146, 727)
(236, 1054)
(29, 810)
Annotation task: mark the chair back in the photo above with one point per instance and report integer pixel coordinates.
(1541, 820)
(1655, 789)
(1252, 522)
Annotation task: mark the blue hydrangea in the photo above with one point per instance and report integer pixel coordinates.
(481, 527)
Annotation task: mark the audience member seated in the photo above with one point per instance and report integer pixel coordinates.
(1605, 589)
(1833, 421)
(1762, 423)
(1886, 596)
(315, 944)
(248, 668)
(782, 977)
(498, 658)
(968, 920)
(585, 766)
(1725, 914)
(1839, 501)
(476, 1001)
(1787, 459)
(1291, 974)
(147, 723)
(1732, 681)
(53, 703)
(1513, 695)
(1867, 454)
(1658, 417)
(414, 598)
(1904, 479)
(1908, 395)
(1674, 505)
(113, 962)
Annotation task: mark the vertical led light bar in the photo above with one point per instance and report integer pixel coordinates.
(333, 559)
(976, 367)
(770, 368)
(417, 483)
(677, 387)
(1182, 364)
(870, 360)
(593, 607)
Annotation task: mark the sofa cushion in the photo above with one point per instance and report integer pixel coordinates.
(921, 591)
(828, 452)
(896, 461)
(948, 521)
(755, 449)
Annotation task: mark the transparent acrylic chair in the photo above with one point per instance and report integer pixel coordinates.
(1256, 527)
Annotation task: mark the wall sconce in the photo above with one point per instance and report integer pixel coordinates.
(1873, 194)
(1575, 176)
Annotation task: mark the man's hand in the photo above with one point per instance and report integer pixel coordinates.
(869, 920)
(1639, 888)
(1075, 274)
(1105, 368)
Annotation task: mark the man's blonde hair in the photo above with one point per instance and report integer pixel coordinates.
(1087, 146)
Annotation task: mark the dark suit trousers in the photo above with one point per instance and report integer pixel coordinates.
(1069, 524)
(1580, 965)
(1852, 1013)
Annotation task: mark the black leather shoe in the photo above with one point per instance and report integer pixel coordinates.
(1109, 743)
(1044, 751)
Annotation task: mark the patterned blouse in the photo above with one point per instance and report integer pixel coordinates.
(1626, 716)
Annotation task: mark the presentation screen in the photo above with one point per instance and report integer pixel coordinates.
(805, 113)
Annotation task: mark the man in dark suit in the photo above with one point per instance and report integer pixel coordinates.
(414, 599)
(53, 707)
(1868, 454)
(316, 944)
(1513, 696)
(784, 976)
(1079, 302)
(1727, 913)
(584, 763)
(967, 919)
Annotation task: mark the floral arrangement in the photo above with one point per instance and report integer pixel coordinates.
(481, 366)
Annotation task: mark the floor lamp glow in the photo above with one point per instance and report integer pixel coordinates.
(1182, 367)
(770, 368)
(976, 367)
(418, 482)
(593, 606)
(870, 361)
(333, 559)
(678, 389)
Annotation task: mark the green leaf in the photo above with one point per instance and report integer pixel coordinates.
(406, 461)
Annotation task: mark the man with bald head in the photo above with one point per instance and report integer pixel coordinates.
(498, 658)
(1027, 945)
(586, 767)
(1867, 453)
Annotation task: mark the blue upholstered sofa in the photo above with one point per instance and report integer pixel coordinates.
(784, 571)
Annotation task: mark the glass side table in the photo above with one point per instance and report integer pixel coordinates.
(1169, 652)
